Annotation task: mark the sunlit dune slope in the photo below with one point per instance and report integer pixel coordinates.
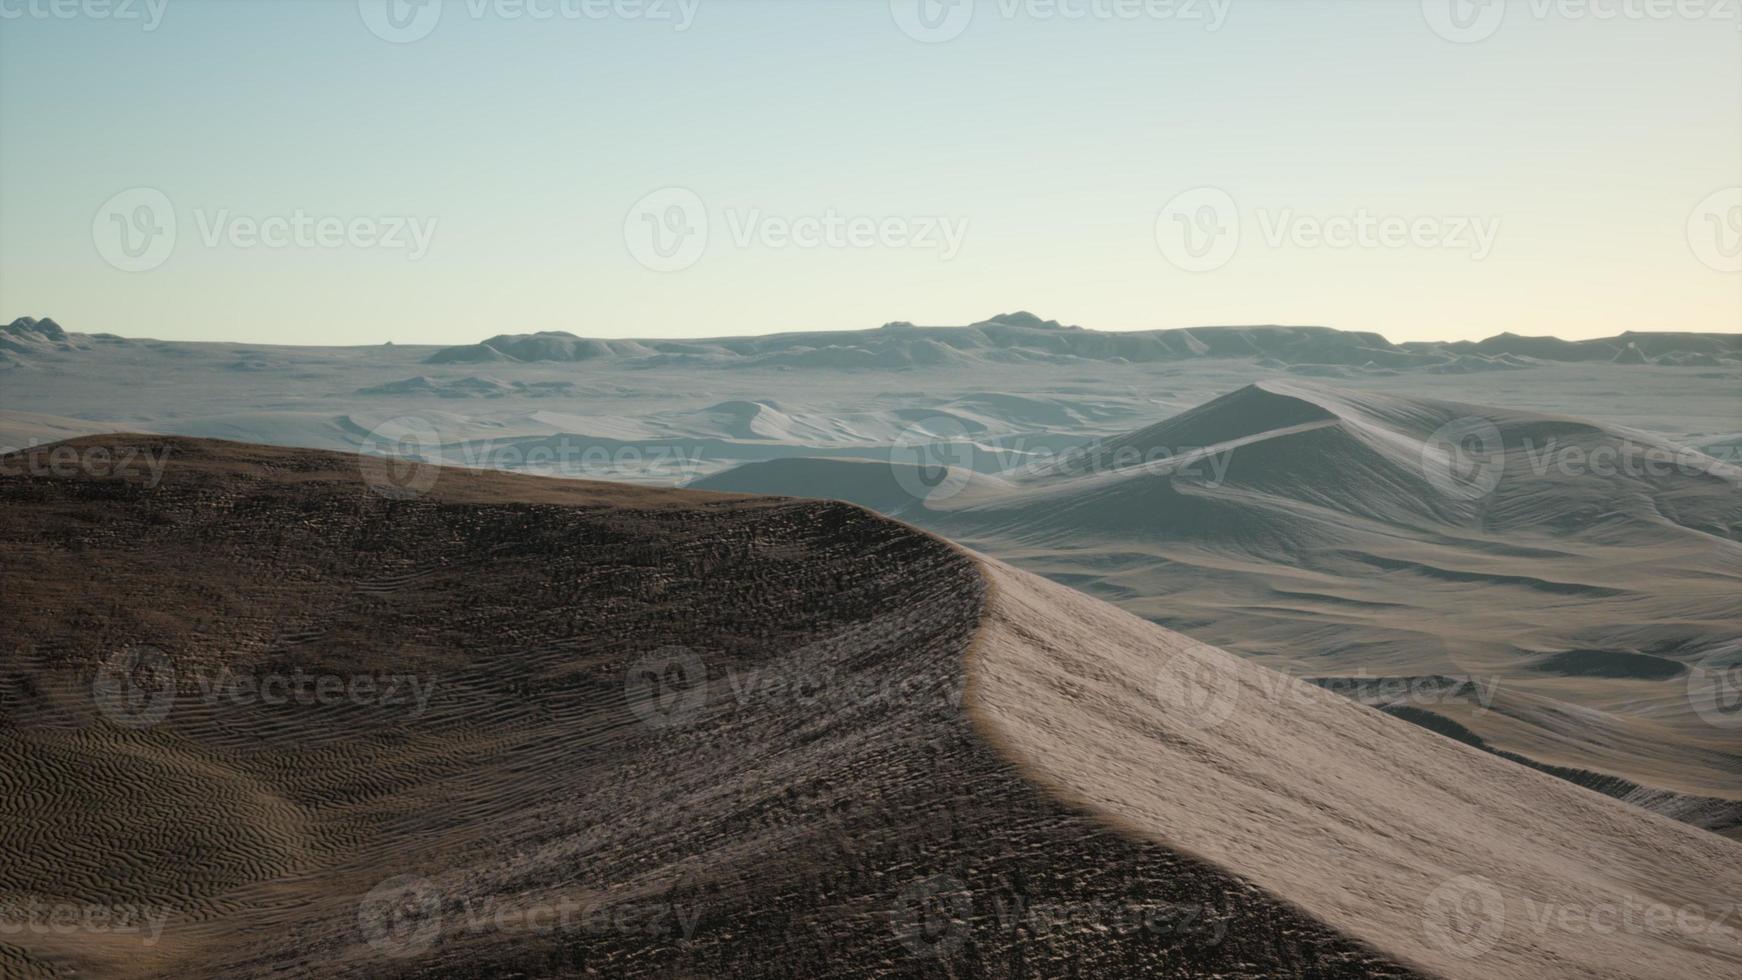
(1443, 856)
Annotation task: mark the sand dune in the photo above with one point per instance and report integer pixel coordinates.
(1575, 568)
(1113, 798)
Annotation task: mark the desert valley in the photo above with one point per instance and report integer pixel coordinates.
(1012, 649)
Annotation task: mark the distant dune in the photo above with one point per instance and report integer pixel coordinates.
(746, 736)
(1580, 570)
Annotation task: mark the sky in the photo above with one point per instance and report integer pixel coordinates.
(359, 171)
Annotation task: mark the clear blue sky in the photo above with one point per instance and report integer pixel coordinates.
(523, 147)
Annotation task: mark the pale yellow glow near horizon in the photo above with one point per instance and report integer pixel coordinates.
(1566, 174)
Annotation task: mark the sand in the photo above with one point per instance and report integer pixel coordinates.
(734, 736)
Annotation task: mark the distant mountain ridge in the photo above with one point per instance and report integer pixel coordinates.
(1018, 338)
(1023, 336)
